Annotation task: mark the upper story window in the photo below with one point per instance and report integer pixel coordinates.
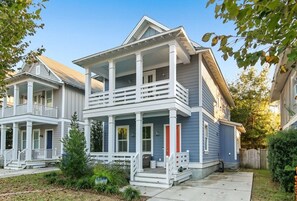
(49, 98)
(38, 70)
(206, 137)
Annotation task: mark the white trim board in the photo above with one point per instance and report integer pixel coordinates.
(203, 165)
(117, 136)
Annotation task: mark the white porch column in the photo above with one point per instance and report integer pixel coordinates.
(29, 141)
(3, 139)
(111, 136)
(87, 87)
(87, 135)
(172, 128)
(30, 97)
(15, 135)
(172, 69)
(139, 75)
(139, 139)
(4, 104)
(16, 97)
(111, 80)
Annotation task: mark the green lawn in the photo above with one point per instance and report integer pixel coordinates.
(34, 187)
(264, 189)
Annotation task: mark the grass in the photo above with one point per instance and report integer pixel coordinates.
(34, 187)
(265, 189)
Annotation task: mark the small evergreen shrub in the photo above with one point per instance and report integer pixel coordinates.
(131, 194)
(282, 157)
(51, 177)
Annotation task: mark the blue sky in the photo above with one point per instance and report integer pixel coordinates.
(76, 28)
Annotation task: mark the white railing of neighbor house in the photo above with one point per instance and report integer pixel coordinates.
(44, 154)
(7, 156)
(148, 92)
(21, 109)
(21, 156)
(122, 158)
(182, 160)
(40, 110)
(182, 93)
(134, 166)
(170, 166)
(8, 111)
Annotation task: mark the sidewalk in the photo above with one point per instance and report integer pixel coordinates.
(13, 173)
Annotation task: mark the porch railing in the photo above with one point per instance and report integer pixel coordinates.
(21, 156)
(123, 158)
(40, 110)
(134, 166)
(170, 166)
(8, 156)
(44, 154)
(182, 160)
(148, 92)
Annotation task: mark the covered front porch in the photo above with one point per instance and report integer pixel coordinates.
(29, 143)
(149, 144)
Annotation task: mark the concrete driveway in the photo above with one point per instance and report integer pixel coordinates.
(226, 186)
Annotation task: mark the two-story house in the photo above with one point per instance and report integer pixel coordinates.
(43, 96)
(284, 90)
(163, 95)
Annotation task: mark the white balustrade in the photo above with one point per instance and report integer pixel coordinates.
(170, 166)
(8, 156)
(182, 160)
(134, 166)
(148, 92)
(40, 110)
(21, 156)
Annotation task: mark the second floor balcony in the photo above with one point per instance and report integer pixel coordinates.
(39, 110)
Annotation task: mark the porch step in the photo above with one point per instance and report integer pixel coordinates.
(35, 164)
(151, 175)
(14, 165)
(149, 184)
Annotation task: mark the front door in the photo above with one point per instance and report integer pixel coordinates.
(167, 139)
(49, 143)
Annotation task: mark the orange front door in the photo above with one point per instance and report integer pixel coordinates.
(167, 139)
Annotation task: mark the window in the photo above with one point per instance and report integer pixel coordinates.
(23, 139)
(147, 134)
(38, 70)
(206, 137)
(49, 98)
(122, 138)
(36, 134)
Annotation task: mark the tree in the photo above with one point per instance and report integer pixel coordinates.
(251, 96)
(96, 136)
(264, 30)
(75, 160)
(18, 20)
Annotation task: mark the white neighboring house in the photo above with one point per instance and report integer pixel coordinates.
(38, 105)
(165, 99)
(284, 90)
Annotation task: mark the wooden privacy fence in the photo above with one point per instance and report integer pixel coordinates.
(254, 158)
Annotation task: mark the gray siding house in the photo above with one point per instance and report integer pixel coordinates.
(38, 105)
(164, 98)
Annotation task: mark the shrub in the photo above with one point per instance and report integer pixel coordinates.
(115, 175)
(51, 177)
(83, 183)
(282, 153)
(100, 188)
(131, 194)
(74, 162)
(111, 189)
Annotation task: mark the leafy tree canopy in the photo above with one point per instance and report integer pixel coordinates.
(264, 29)
(251, 96)
(18, 20)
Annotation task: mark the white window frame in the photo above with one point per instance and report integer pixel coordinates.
(117, 138)
(146, 74)
(45, 101)
(205, 137)
(22, 139)
(37, 69)
(152, 137)
(33, 139)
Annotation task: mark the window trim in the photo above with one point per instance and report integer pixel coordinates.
(45, 101)
(117, 138)
(205, 124)
(33, 139)
(152, 139)
(22, 139)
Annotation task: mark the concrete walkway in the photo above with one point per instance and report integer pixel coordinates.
(217, 186)
(13, 173)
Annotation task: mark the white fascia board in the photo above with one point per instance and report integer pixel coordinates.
(28, 117)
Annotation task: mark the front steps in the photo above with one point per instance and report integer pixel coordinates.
(15, 165)
(151, 180)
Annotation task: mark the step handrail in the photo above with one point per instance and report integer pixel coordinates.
(19, 156)
(6, 154)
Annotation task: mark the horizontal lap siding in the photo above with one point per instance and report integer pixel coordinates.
(208, 98)
(190, 135)
(187, 75)
(214, 140)
(227, 143)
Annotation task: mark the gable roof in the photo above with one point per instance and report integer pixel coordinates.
(142, 26)
(68, 75)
